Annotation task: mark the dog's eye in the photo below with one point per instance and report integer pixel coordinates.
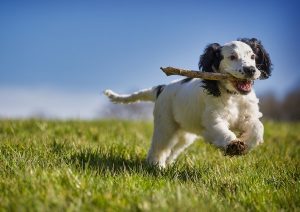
(233, 57)
(252, 57)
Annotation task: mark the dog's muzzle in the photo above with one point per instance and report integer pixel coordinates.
(249, 71)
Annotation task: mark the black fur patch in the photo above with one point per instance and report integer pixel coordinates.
(212, 87)
(186, 80)
(263, 61)
(211, 58)
(159, 89)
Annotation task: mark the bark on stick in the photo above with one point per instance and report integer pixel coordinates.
(196, 74)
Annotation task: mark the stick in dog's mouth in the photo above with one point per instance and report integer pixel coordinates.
(197, 74)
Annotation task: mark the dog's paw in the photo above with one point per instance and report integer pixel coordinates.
(236, 147)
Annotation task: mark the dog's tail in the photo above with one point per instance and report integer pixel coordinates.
(150, 94)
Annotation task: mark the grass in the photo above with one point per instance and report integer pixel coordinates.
(99, 165)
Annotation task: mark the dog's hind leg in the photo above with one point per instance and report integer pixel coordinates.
(164, 137)
(184, 140)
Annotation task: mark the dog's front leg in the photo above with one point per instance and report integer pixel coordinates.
(218, 133)
(253, 131)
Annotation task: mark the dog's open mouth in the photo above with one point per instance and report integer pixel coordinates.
(243, 86)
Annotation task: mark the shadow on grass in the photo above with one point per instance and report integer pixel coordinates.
(117, 164)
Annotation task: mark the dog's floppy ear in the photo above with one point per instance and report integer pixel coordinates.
(209, 59)
(263, 61)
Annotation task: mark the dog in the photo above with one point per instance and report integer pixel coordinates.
(225, 112)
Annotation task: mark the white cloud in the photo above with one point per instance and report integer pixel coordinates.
(20, 102)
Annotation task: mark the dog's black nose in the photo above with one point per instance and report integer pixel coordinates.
(249, 71)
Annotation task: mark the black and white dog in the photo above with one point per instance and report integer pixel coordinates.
(225, 112)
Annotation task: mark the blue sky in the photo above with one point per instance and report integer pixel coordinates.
(69, 51)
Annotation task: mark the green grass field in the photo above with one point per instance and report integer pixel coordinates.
(99, 165)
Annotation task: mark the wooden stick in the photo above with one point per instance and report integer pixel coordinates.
(196, 74)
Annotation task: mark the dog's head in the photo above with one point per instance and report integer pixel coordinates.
(245, 59)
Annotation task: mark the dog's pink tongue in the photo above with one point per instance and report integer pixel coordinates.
(244, 85)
